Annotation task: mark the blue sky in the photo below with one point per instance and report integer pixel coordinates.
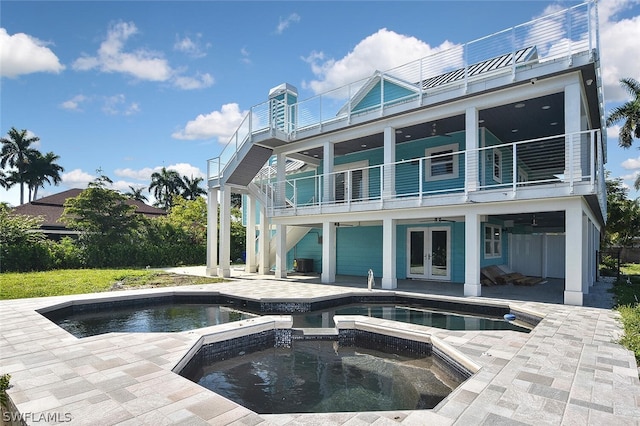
(129, 87)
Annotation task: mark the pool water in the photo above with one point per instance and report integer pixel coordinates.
(318, 376)
(409, 314)
(140, 319)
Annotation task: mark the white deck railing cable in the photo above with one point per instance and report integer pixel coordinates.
(555, 36)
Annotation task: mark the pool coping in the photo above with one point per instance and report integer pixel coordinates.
(567, 370)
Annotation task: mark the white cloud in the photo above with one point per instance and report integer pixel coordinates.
(111, 57)
(221, 124)
(190, 47)
(380, 51)
(117, 105)
(631, 163)
(246, 56)
(23, 54)
(200, 81)
(77, 178)
(142, 174)
(142, 64)
(285, 23)
(73, 104)
(184, 169)
(619, 46)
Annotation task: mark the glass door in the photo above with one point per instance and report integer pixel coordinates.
(429, 253)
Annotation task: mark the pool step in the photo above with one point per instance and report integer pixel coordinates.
(315, 333)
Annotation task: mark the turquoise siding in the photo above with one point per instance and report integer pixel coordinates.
(407, 179)
(391, 92)
(359, 249)
(308, 248)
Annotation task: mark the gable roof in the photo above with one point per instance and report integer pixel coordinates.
(50, 208)
(396, 89)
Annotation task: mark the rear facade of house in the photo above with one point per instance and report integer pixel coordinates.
(490, 153)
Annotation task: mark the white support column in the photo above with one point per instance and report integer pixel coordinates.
(327, 167)
(281, 251)
(389, 181)
(224, 268)
(212, 232)
(472, 247)
(572, 120)
(389, 277)
(328, 253)
(574, 254)
(472, 144)
(263, 243)
(250, 246)
(281, 177)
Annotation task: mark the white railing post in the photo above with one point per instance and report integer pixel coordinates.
(514, 172)
(593, 137)
(513, 53)
(420, 179)
(571, 160)
(381, 182)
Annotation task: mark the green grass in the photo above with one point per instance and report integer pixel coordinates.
(630, 269)
(78, 281)
(627, 295)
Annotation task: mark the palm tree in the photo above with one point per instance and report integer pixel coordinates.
(136, 194)
(192, 189)
(41, 169)
(16, 152)
(630, 112)
(165, 184)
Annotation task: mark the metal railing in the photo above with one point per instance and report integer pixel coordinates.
(555, 36)
(560, 161)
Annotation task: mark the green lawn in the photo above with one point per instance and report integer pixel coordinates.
(627, 295)
(77, 281)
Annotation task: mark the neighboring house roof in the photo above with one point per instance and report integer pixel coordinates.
(50, 209)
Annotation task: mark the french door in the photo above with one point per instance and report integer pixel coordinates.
(429, 253)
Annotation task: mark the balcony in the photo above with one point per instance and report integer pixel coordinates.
(556, 166)
(564, 39)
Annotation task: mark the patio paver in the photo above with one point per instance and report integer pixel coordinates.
(568, 370)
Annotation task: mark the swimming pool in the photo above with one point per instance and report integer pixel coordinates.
(320, 376)
(181, 313)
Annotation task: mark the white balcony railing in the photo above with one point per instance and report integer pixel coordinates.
(555, 36)
(561, 161)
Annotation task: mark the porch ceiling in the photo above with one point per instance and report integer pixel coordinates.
(527, 119)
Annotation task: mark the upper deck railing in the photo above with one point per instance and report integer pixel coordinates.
(556, 36)
(553, 164)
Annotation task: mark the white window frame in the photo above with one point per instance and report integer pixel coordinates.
(492, 244)
(429, 152)
(496, 165)
(346, 167)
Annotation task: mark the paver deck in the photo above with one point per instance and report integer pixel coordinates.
(568, 370)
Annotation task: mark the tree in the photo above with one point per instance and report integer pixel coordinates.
(136, 194)
(22, 244)
(41, 169)
(192, 189)
(165, 185)
(623, 215)
(629, 112)
(190, 215)
(17, 152)
(105, 220)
